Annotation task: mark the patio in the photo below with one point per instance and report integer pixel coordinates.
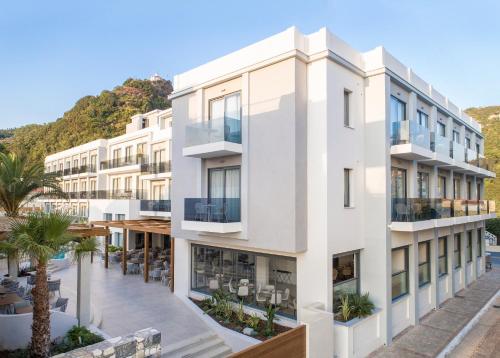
(124, 303)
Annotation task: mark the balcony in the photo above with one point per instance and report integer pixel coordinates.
(430, 213)
(124, 162)
(155, 208)
(155, 168)
(213, 138)
(410, 132)
(67, 171)
(457, 151)
(212, 215)
(440, 145)
(75, 170)
(471, 156)
(88, 169)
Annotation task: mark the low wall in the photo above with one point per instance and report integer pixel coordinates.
(15, 329)
(319, 327)
(143, 343)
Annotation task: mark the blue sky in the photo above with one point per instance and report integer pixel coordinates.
(54, 52)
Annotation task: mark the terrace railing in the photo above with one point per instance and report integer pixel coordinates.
(156, 205)
(224, 210)
(124, 161)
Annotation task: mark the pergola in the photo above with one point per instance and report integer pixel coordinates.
(148, 227)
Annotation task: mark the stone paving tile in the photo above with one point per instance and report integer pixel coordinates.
(439, 327)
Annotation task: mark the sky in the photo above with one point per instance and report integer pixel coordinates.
(54, 52)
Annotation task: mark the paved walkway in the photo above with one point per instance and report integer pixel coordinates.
(483, 341)
(438, 328)
(127, 304)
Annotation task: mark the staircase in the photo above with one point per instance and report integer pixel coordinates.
(206, 345)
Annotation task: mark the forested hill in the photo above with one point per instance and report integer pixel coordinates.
(92, 117)
(489, 117)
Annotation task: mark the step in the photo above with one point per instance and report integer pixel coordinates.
(202, 348)
(172, 349)
(219, 352)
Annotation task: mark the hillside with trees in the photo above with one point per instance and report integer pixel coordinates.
(92, 117)
(489, 117)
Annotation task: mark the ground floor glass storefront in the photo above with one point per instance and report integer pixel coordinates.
(255, 279)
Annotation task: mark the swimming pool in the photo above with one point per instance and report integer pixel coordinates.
(60, 255)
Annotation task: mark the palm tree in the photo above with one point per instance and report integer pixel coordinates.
(22, 182)
(40, 236)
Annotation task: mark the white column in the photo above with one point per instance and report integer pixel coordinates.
(474, 253)
(83, 294)
(413, 269)
(451, 267)
(412, 106)
(435, 271)
(463, 186)
(13, 265)
(449, 185)
(463, 259)
(433, 119)
(474, 188)
(434, 177)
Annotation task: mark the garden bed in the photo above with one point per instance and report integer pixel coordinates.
(238, 325)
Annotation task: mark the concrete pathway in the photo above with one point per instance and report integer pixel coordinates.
(438, 328)
(127, 304)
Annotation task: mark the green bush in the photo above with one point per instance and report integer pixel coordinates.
(353, 305)
(76, 337)
(253, 322)
(493, 226)
(270, 317)
(112, 248)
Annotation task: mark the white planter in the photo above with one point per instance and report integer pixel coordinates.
(358, 337)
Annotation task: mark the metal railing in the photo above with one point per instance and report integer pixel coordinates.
(223, 210)
(155, 168)
(156, 205)
(124, 161)
(418, 209)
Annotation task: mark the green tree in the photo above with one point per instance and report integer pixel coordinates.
(40, 236)
(21, 182)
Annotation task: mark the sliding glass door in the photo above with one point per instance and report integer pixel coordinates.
(224, 193)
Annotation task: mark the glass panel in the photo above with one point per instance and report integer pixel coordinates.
(423, 184)
(424, 274)
(398, 183)
(216, 189)
(443, 266)
(399, 285)
(457, 258)
(398, 260)
(217, 109)
(233, 107)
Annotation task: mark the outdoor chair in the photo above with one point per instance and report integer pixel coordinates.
(200, 212)
(284, 298)
(402, 211)
(20, 291)
(61, 304)
(260, 298)
(275, 299)
(21, 304)
(230, 287)
(155, 274)
(31, 281)
(242, 292)
(55, 286)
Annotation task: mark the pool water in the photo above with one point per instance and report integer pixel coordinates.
(59, 255)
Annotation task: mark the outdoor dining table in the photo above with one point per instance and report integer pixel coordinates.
(9, 299)
(4, 290)
(25, 309)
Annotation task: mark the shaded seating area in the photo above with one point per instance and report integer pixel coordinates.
(153, 263)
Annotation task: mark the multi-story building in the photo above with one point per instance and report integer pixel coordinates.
(122, 178)
(305, 169)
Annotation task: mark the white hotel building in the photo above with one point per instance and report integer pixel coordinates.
(122, 178)
(308, 167)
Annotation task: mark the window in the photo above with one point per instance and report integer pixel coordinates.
(456, 136)
(141, 149)
(128, 154)
(443, 256)
(423, 119)
(120, 217)
(442, 186)
(83, 186)
(115, 184)
(347, 188)
(75, 163)
(116, 156)
(93, 162)
(144, 123)
(398, 183)
(441, 129)
(479, 243)
(93, 184)
(347, 113)
(224, 191)
(399, 272)
(128, 183)
(345, 275)
(75, 187)
(423, 184)
(159, 156)
(467, 142)
(255, 278)
(456, 188)
(457, 252)
(227, 108)
(117, 239)
(398, 110)
(469, 190)
(424, 263)
(469, 247)
(478, 148)
(107, 216)
(84, 161)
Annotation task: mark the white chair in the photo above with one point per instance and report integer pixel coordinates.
(230, 286)
(275, 298)
(285, 296)
(243, 292)
(244, 282)
(269, 288)
(213, 284)
(260, 298)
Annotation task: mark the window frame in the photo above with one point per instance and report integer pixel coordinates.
(348, 202)
(398, 101)
(425, 263)
(406, 270)
(479, 244)
(422, 115)
(468, 252)
(441, 129)
(457, 249)
(347, 108)
(443, 256)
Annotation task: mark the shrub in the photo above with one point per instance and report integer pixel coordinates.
(240, 313)
(353, 305)
(345, 308)
(493, 226)
(112, 248)
(253, 322)
(270, 317)
(76, 337)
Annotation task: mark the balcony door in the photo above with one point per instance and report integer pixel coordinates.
(224, 191)
(398, 183)
(423, 185)
(158, 191)
(227, 109)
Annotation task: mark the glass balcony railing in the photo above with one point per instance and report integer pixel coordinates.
(221, 210)
(417, 209)
(457, 151)
(440, 144)
(124, 161)
(155, 168)
(155, 205)
(406, 132)
(212, 131)
(470, 156)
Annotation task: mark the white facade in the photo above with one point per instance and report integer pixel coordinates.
(122, 178)
(266, 140)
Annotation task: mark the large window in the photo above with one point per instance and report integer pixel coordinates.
(456, 136)
(347, 188)
(424, 263)
(442, 186)
(345, 275)
(456, 189)
(224, 191)
(398, 183)
(347, 114)
(398, 110)
(469, 247)
(423, 184)
(255, 279)
(457, 252)
(423, 119)
(479, 243)
(399, 272)
(128, 154)
(443, 255)
(441, 129)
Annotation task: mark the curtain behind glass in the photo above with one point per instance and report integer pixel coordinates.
(232, 194)
(216, 183)
(233, 107)
(217, 109)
